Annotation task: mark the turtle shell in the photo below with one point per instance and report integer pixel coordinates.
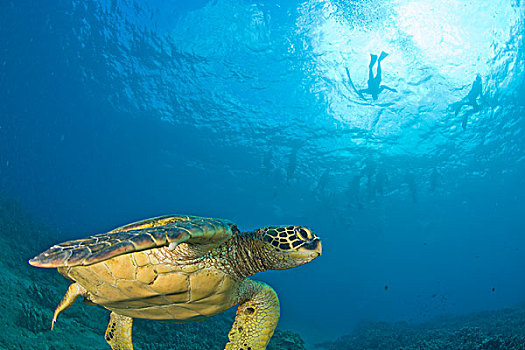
(144, 285)
(131, 270)
(137, 236)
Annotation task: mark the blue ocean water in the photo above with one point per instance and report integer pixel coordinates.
(115, 111)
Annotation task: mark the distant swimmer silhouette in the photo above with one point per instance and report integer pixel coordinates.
(374, 82)
(470, 100)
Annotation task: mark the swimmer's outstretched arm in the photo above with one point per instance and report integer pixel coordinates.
(382, 87)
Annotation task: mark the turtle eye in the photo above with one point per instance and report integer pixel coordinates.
(303, 234)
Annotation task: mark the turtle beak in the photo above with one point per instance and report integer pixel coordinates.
(312, 249)
(314, 246)
(318, 247)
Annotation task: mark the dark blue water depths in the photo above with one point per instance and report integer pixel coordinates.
(113, 111)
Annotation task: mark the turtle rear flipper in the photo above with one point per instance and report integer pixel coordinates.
(74, 291)
(118, 333)
(127, 239)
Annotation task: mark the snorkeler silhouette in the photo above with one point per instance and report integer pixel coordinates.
(469, 100)
(374, 82)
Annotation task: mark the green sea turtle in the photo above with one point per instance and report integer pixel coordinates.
(182, 269)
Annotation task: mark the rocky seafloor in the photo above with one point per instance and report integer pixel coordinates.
(487, 330)
(29, 296)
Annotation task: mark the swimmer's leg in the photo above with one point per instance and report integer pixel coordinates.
(475, 107)
(373, 60)
(457, 107)
(378, 74)
(467, 115)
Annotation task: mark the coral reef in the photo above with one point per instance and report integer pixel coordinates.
(488, 330)
(29, 297)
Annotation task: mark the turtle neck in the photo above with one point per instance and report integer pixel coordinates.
(245, 255)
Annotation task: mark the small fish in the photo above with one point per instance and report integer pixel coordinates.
(386, 287)
(493, 289)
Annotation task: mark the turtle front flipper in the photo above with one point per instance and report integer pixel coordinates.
(256, 319)
(118, 333)
(147, 234)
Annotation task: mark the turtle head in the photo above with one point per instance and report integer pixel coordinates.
(290, 246)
